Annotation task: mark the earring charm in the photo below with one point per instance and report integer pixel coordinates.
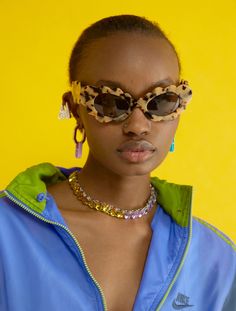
(79, 144)
(172, 146)
(64, 112)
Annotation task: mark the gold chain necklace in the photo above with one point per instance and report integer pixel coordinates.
(108, 208)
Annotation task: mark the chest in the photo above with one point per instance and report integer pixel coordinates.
(115, 257)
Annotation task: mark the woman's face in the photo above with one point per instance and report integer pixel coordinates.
(136, 63)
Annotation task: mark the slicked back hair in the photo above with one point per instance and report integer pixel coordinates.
(111, 25)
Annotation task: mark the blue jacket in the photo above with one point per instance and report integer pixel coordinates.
(190, 264)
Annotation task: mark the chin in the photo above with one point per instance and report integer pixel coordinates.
(136, 164)
(136, 169)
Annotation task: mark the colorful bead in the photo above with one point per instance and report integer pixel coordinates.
(107, 208)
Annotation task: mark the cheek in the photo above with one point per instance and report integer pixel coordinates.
(103, 144)
(165, 130)
(101, 137)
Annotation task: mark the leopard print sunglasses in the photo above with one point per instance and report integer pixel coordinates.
(108, 104)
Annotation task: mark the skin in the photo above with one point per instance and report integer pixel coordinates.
(136, 63)
(137, 73)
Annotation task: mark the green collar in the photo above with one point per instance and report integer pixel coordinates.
(27, 185)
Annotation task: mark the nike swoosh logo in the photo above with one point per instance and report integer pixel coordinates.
(179, 307)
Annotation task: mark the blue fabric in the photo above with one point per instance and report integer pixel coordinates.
(41, 267)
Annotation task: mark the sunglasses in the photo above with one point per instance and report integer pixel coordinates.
(108, 104)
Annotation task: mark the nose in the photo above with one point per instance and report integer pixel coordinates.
(137, 124)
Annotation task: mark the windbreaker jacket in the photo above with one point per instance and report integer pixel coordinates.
(190, 264)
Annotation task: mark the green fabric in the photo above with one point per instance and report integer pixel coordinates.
(2, 195)
(175, 199)
(28, 184)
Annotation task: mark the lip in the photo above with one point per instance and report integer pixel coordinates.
(135, 151)
(136, 145)
(136, 156)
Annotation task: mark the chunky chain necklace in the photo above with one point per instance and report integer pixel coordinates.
(107, 208)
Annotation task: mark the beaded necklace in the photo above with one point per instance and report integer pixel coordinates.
(108, 208)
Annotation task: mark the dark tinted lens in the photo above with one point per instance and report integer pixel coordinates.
(110, 105)
(163, 104)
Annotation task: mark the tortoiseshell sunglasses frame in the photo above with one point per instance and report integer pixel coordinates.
(85, 95)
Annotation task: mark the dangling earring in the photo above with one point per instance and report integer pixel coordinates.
(79, 144)
(172, 146)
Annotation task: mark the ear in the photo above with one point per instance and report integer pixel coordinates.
(73, 107)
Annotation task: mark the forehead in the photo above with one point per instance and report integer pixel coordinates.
(134, 61)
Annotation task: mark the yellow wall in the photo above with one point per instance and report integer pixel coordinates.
(37, 40)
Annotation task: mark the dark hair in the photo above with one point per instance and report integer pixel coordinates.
(111, 25)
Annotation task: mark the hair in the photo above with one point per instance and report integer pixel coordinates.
(111, 25)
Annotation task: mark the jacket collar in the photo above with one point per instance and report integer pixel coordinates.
(28, 185)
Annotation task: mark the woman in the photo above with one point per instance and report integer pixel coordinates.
(107, 236)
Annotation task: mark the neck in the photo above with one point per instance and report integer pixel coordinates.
(125, 192)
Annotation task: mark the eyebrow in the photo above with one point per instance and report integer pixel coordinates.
(164, 82)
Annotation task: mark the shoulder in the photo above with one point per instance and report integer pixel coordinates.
(213, 250)
(7, 209)
(216, 252)
(3, 199)
(2, 194)
(210, 235)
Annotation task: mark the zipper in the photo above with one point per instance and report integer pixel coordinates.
(70, 233)
(180, 266)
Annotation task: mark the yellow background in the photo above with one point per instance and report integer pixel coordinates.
(37, 38)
